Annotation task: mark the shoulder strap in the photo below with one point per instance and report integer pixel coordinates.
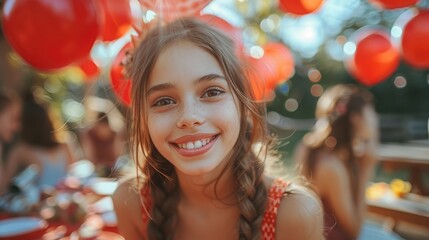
(275, 194)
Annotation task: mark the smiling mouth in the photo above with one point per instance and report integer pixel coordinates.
(197, 144)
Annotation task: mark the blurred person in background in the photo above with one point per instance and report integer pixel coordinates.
(102, 144)
(37, 146)
(338, 157)
(10, 113)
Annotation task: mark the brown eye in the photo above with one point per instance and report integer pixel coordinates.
(164, 102)
(214, 92)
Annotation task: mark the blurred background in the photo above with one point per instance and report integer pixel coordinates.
(69, 53)
(319, 42)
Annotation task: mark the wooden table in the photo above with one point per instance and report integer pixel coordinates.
(409, 156)
(412, 209)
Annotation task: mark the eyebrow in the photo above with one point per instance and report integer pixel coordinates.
(164, 86)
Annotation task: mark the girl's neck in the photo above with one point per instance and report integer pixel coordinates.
(207, 190)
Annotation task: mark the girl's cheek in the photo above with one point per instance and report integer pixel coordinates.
(228, 106)
(159, 121)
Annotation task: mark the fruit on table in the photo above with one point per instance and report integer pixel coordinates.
(399, 187)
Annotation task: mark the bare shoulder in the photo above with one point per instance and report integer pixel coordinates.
(300, 215)
(330, 163)
(330, 170)
(127, 204)
(126, 195)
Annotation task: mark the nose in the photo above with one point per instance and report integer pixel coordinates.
(190, 115)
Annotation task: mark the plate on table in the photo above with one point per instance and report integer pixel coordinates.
(81, 169)
(102, 186)
(22, 228)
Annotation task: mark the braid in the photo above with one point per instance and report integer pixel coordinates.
(164, 193)
(251, 195)
(165, 198)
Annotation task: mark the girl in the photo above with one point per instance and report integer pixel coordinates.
(338, 156)
(195, 129)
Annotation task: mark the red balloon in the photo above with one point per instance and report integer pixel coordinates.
(375, 58)
(300, 7)
(255, 75)
(415, 49)
(392, 4)
(172, 9)
(120, 83)
(274, 67)
(231, 31)
(281, 62)
(117, 19)
(51, 34)
(89, 68)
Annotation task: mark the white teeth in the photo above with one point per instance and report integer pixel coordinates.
(195, 144)
(190, 145)
(198, 144)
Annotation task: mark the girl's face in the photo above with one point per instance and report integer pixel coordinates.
(366, 126)
(193, 118)
(9, 122)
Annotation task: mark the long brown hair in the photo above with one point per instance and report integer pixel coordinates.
(37, 127)
(334, 129)
(158, 172)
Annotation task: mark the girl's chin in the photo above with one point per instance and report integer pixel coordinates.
(196, 171)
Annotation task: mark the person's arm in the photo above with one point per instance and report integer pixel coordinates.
(11, 167)
(333, 183)
(126, 202)
(366, 172)
(369, 137)
(300, 216)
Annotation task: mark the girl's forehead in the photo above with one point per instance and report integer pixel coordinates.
(183, 60)
(179, 47)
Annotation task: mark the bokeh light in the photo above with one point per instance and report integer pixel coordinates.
(291, 105)
(400, 82)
